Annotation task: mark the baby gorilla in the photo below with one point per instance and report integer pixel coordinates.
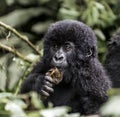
(70, 46)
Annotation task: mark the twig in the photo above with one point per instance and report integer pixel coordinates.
(25, 73)
(14, 51)
(9, 34)
(21, 81)
(22, 37)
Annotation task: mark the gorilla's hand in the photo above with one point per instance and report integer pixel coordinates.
(44, 85)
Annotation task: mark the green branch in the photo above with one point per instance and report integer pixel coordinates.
(22, 37)
(14, 51)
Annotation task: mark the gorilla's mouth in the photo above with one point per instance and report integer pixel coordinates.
(61, 69)
(61, 66)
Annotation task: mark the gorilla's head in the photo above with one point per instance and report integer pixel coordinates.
(68, 43)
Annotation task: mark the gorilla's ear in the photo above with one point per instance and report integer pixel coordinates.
(91, 52)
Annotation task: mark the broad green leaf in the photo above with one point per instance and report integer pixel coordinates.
(15, 110)
(99, 34)
(112, 107)
(21, 16)
(55, 112)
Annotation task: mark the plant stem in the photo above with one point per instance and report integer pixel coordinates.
(22, 37)
(14, 51)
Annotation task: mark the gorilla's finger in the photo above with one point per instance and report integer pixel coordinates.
(48, 84)
(45, 93)
(48, 78)
(48, 89)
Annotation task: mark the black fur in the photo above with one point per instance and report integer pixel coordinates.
(85, 82)
(112, 62)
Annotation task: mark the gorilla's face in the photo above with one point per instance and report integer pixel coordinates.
(69, 44)
(61, 54)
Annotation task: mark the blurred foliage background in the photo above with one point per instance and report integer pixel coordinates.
(32, 18)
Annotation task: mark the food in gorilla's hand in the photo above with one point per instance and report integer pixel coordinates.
(55, 74)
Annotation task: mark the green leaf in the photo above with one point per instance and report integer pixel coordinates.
(41, 27)
(21, 16)
(99, 34)
(95, 14)
(14, 109)
(112, 107)
(5, 113)
(99, 5)
(55, 112)
(67, 13)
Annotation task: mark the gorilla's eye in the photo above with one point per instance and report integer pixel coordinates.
(67, 47)
(55, 47)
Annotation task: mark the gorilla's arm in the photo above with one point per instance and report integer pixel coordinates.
(95, 84)
(99, 83)
(38, 81)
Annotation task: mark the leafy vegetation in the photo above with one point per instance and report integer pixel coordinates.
(31, 18)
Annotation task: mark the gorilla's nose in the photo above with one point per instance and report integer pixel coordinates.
(58, 58)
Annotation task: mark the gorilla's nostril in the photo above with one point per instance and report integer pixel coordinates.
(56, 58)
(60, 58)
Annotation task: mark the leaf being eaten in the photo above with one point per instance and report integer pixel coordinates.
(55, 74)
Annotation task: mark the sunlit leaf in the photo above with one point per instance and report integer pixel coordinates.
(99, 34)
(21, 16)
(55, 112)
(112, 107)
(14, 109)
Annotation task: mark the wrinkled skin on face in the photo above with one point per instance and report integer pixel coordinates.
(61, 53)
